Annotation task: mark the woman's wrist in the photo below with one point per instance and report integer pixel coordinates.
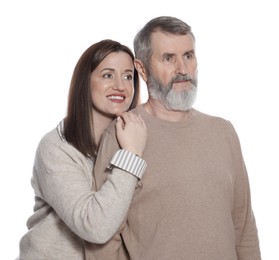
(129, 162)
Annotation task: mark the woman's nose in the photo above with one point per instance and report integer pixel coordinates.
(118, 85)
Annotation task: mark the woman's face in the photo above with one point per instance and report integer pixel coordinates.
(112, 84)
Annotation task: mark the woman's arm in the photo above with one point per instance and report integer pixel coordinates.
(63, 178)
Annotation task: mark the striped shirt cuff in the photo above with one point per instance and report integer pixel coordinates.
(128, 162)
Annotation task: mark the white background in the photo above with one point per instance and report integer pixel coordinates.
(237, 49)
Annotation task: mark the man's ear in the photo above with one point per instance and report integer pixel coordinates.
(141, 69)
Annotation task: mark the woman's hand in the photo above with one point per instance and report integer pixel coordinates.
(131, 132)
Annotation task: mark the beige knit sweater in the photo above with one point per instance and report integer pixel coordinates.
(193, 202)
(67, 210)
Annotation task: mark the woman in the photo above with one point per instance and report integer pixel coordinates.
(67, 210)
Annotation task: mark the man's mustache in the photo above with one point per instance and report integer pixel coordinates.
(185, 77)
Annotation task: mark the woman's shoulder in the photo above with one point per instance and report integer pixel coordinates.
(54, 142)
(51, 138)
(54, 152)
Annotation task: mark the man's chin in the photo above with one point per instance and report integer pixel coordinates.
(181, 87)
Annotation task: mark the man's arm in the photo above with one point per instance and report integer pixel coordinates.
(247, 242)
(113, 249)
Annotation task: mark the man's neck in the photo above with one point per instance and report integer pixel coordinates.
(157, 109)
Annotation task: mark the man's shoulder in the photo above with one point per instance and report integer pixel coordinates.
(111, 128)
(216, 123)
(210, 118)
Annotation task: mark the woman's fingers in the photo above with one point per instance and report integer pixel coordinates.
(131, 132)
(132, 117)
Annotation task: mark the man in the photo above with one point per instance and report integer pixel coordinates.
(194, 200)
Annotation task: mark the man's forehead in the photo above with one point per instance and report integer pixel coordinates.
(171, 43)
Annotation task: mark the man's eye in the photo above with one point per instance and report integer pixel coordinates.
(167, 58)
(189, 55)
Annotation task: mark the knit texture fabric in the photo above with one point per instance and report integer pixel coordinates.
(67, 210)
(193, 201)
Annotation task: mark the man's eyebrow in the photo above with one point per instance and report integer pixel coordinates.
(168, 54)
(192, 51)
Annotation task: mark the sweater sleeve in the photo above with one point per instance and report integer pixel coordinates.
(114, 249)
(63, 178)
(247, 243)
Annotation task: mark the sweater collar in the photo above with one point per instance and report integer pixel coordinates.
(60, 130)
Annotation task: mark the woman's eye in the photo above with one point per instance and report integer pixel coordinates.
(108, 76)
(129, 77)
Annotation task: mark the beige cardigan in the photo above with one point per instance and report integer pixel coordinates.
(67, 210)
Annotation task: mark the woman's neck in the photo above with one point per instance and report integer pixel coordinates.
(100, 123)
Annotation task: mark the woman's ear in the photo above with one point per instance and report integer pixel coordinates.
(141, 69)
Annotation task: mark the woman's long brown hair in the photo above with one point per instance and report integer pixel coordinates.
(78, 123)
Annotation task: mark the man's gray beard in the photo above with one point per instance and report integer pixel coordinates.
(171, 99)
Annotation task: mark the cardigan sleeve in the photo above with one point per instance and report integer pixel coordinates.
(62, 177)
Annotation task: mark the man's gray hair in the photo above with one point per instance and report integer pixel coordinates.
(168, 24)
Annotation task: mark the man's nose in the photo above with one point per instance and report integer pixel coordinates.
(181, 67)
